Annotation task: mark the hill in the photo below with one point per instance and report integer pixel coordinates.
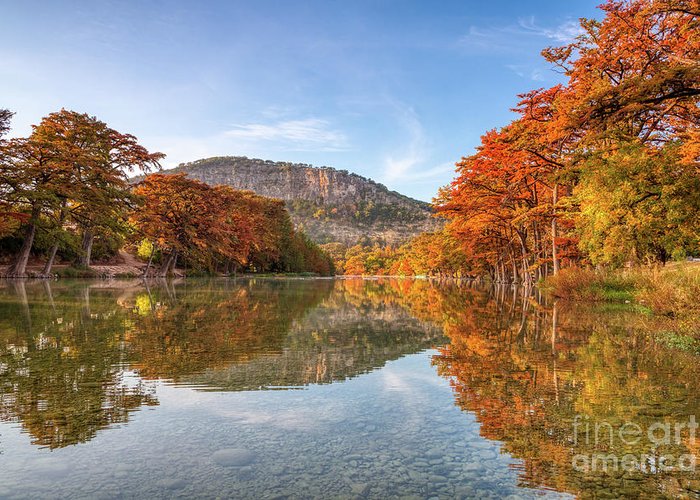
(328, 204)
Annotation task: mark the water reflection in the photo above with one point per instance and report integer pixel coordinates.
(565, 387)
(78, 357)
(61, 364)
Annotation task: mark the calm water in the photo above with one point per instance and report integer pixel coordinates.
(345, 388)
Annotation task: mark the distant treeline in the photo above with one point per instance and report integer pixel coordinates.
(65, 192)
(429, 254)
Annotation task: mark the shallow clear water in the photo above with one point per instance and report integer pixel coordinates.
(335, 388)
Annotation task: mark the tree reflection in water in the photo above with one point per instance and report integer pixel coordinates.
(78, 357)
(529, 369)
(61, 363)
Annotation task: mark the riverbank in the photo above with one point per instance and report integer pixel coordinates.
(672, 290)
(666, 298)
(122, 265)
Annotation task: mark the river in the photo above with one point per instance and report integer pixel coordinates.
(347, 388)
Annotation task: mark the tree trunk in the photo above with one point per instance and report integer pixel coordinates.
(86, 248)
(555, 257)
(166, 269)
(165, 266)
(173, 263)
(52, 254)
(540, 252)
(49, 263)
(555, 318)
(527, 278)
(18, 268)
(514, 266)
(150, 260)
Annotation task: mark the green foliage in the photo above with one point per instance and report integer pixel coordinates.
(428, 254)
(68, 243)
(145, 249)
(300, 254)
(219, 229)
(106, 245)
(679, 341)
(70, 174)
(607, 158)
(637, 206)
(363, 212)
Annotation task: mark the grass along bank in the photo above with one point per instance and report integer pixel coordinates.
(668, 297)
(672, 290)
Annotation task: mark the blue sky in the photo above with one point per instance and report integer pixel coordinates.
(393, 90)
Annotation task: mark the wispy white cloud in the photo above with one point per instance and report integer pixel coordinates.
(255, 139)
(412, 153)
(411, 162)
(511, 37)
(523, 71)
(521, 39)
(182, 149)
(290, 419)
(295, 135)
(563, 33)
(487, 40)
(431, 173)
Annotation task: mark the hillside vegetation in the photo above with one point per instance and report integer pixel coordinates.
(327, 204)
(66, 195)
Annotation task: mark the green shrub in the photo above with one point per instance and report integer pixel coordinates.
(679, 341)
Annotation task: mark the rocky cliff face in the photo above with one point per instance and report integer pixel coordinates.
(328, 204)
